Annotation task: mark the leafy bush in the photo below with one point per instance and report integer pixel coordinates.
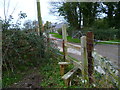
(70, 31)
(118, 34)
(104, 34)
(21, 48)
(101, 24)
(23, 51)
(108, 34)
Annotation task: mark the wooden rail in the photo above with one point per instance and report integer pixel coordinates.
(67, 77)
(69, 45)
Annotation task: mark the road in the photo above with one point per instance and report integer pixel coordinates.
(109, 51)
(106, 50)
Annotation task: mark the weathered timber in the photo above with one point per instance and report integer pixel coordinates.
(73, 46)
(84, 58)
(64, 58)
(89, 39)
(67, 77)
(75, 63)
(64, 36)
(39, 18)
(62, 67)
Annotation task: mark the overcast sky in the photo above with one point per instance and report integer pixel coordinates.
(29, 7)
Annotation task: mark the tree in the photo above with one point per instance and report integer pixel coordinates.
(112, 10)
(74, 12)
(47, 25)
(117, 15)
(70, 13)
(7, 20)
(28, 24)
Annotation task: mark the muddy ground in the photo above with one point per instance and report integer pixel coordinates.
(31, 80)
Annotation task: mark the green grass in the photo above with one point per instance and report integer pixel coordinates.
(52, 33)
(9, 77)
(70, 39)
(52, 78)
(51, 74)
(57, 35)
(75, 40)
(110, 42)
(115, 40)
(12, 77)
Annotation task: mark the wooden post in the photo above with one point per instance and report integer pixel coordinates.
(64, 36)
(1, 54)
(90, 41)
(84, 58)
(48, 44)
(68, 82)
(64, 50)
(118, 66)
(39, 18)
(62, 67)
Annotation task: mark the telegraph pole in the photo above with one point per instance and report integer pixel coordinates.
(40, 29)
(39, 18)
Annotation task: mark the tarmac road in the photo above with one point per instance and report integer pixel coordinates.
(109, 51)
(106, 50)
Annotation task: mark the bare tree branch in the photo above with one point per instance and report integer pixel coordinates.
(4, 11)
(14, 9)
(8, 8)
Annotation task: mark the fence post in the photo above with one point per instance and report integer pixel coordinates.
(0, 54)
(84, 58)
(63, 49)
(64, 36)
(90, 41)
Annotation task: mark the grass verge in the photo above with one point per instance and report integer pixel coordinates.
(75, 40)
(70, 39)
(108, 42)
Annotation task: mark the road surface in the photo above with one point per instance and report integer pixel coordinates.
(106, 50)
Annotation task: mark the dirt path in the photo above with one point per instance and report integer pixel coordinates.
(31, 80)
